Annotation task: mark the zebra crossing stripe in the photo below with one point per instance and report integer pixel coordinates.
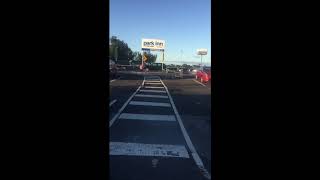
(151, 96)
(144, 103)
(137, 149)
(148, 117)
(154, 91)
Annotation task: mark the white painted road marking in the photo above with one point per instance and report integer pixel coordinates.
(149, 117)
(152, 81)
(124, 105)
(136, 149)
(199, 82)
(115, 79)
(112, 102)
(155, 91)
(194, 153)
(144, 103)
(152, 87)
(152, 96)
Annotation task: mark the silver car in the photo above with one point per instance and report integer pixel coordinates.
(194, 71)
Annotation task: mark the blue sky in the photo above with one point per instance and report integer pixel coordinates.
(185, 25)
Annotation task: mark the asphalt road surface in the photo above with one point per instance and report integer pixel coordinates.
(121, 89)
(159, 128)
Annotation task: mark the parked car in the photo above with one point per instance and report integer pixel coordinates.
(171, 69)
(185, 70)
(194, 71)
(204, 74)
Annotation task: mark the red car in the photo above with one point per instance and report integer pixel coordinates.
(204, 74)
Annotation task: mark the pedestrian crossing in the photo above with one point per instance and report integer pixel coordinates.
(136, 149)
(149, 84)
(153, 91)
(149, 81)
(151, 117)
(153, 83)
(153, 87)
(151, 96)
(143, 125)
(145, 103)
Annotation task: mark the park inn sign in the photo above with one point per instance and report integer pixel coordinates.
(148, 45)
(152, 44)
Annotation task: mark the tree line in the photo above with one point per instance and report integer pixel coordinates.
(121, 53)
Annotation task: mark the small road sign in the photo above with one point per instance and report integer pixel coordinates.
(144, 58)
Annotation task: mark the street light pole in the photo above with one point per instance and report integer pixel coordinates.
(116, 48)
(142, 58)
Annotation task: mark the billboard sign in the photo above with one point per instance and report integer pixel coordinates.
(153, 44)
(202, 51)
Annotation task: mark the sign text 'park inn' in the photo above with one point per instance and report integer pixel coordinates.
(153, 44)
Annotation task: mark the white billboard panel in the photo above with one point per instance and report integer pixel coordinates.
(153, 44)
(202, 51)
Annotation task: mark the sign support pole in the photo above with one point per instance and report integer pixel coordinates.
(141, 57)
(162, 59)
(142, 54)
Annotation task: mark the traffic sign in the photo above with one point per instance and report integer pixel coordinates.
(144, 58)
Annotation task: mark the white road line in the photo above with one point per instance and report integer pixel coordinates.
(144, 79)
(149, 117)
(115, 79)
(112, 102)
(153, 87)
(152, 96)
(155, 91)
(136, 149)
(124, 105)
(153, 81)
(194, 153)
(144, 103)
(198, 82)
(152, 78)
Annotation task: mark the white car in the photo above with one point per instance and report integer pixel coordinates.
(194, 71)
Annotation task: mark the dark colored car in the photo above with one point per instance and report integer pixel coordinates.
(204, 74)
(185, 70)
(172, 69)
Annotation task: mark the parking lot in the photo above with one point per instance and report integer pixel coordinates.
(160, 127)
